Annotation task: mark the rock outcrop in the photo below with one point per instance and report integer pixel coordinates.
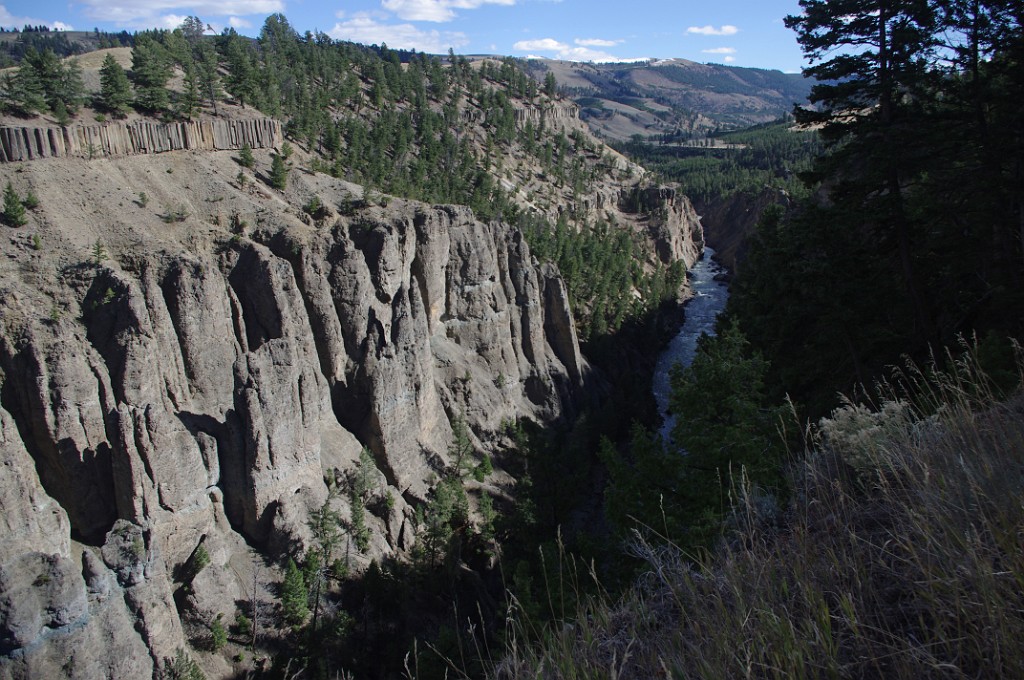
(730, 222)
(669, 220)
(178, 385)
(129, 139)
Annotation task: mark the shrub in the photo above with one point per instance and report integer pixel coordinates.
(175, 214)
(182, 667)
(314, 207)
(245, 157)
(218, 634)
(198, 561)
(243, 624)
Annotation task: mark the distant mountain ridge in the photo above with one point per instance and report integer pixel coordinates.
(673, 95)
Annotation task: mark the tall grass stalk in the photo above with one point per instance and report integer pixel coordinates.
(901, 556)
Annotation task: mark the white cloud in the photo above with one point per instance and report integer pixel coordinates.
(729, 60)
(172, 21)
(566, 52)
(541, 45)
(8, 20)
(596, 42)
(147, 13)
(720, 50)
(363, 28)
(435, 10)
(239, 22)
(711, 30)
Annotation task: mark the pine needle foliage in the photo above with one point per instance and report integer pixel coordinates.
(14, 210)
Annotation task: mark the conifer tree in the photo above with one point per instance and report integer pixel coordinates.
(115, 90)
(294, 606)
(241, 74)
(70, 90)
(209, 78)
(14, 210)
(278, 173)
(151, 69)
(188, 103)
(245, 157)
(871, 60)
(24, 89)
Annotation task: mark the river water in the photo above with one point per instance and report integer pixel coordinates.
(709, 297)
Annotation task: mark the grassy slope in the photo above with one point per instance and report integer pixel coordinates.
(900, 558)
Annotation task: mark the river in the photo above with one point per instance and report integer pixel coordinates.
(709, 297)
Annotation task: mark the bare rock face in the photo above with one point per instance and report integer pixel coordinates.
(30, 520)
(419, 310)
(670, 221)
(57, 619)
(197, 388)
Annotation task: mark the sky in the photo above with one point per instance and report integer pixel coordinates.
(735, 32)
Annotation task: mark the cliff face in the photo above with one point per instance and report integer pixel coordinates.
(167, 384)
(128, 139)
(730, 222)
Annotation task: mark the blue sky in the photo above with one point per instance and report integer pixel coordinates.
(737, 32)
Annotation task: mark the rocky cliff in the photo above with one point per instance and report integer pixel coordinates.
(186, 356)
(138, 137)
(730, 222)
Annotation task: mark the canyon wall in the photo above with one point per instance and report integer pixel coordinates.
(191, 364)
(178, 385)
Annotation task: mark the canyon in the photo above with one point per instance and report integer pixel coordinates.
(191, 361)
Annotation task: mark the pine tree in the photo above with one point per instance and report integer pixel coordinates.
(550, 84)
(151, 69)
(14, 210)
(241, 76)
(115, 90)
(70, 89)
(24, 89)
(183, 667)
(188, 102)
(278, 173)
(245, 157)
(871, 60)
(209, 78)
(294, 606)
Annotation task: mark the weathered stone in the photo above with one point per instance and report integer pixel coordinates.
(30, 520)
(195, 387)
(128, 139)
(37, 592)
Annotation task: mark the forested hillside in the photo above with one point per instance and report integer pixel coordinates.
(673, 96)
(858, 413)
(483, 135)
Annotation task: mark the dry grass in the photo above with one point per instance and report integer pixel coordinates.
(901, 557)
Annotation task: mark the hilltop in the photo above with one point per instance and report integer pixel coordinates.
(673, 96)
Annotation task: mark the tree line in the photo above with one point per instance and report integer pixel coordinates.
(772, 155)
